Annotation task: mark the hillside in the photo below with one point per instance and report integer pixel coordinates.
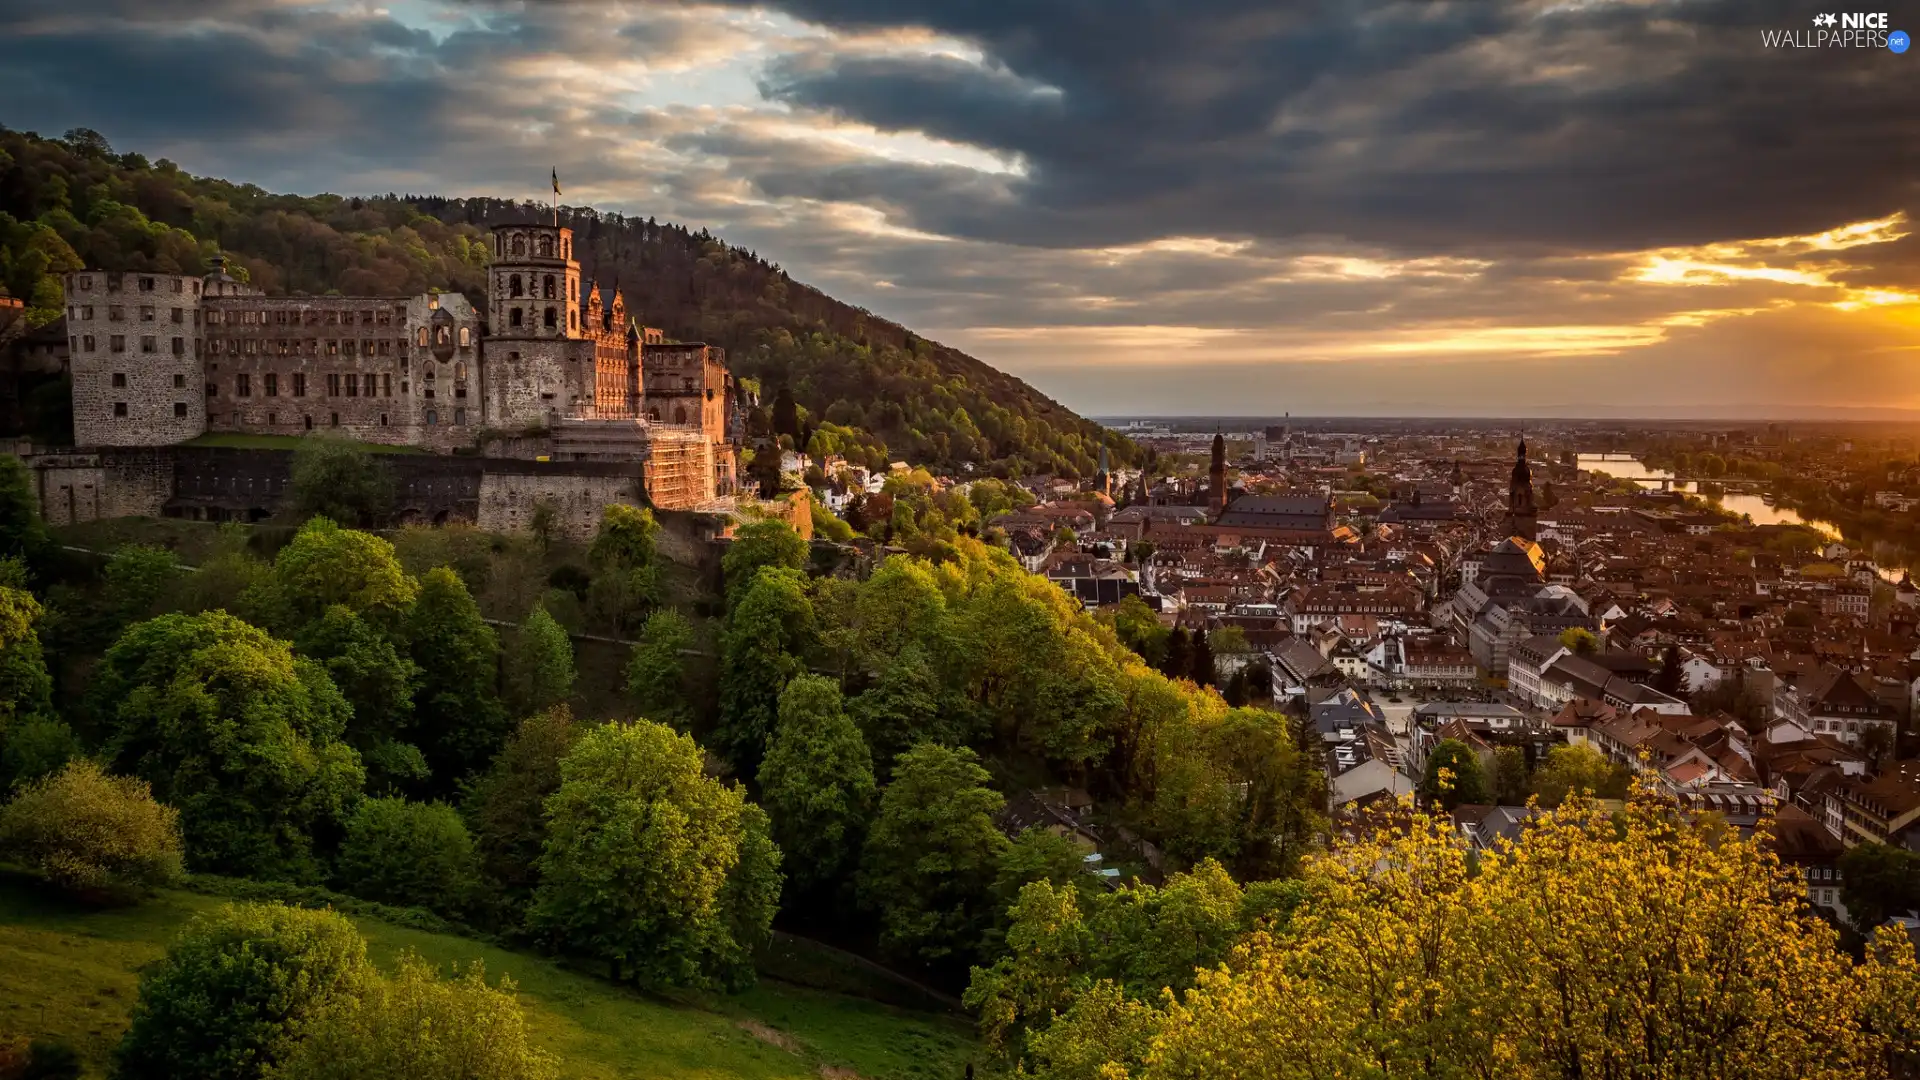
(71, 202)
(71, 973)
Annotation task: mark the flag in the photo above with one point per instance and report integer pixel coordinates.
(556, 182)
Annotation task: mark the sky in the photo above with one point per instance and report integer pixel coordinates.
(1166, 207)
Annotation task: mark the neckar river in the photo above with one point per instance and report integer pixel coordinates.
(1627, 468)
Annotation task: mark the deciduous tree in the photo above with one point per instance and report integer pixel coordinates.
(817, 783)
(98, 836)
(1453, 776)
(657, 672)
(761, 544)
(932, 854)
(408, 853)
(539, 665)
(506, 806)
(768, 627)
(459, 721)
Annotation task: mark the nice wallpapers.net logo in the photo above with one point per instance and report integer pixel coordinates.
(1846, 30)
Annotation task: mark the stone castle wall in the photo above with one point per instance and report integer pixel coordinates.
(134, 345)
(577, 491)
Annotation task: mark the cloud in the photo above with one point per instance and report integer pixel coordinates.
(1142, 205)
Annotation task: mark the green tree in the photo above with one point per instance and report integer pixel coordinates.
(904, 706)
(459, 721)
(640, 849)
(30, 730)
(23, 535)
(234, 994)
(1878, 882)
(1139, 629)
(506, 806)
(768, 628)
(410, 854)
(1202, 672)
(135, 585)
(1580, 640)
(418, 1026)
(626, 582)
(1578, 771)
(932, 854)
(325, 565)
(98, 836)
(1510, 776)
(657, 672)
(334, 478)
(378, 683)
(1177, 658)
(1671, 678)
(817, 783)
(1039, 855)
(539, 665)
(1453, 776)
(761, 544)
(243, 738)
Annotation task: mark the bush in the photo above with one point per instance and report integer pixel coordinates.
(234, 994)
(92, 834)
(417, 1026)
(408, 853)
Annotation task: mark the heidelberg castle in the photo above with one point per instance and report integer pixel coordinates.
(554, 369)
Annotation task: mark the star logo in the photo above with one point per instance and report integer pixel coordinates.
(1824, 20)
(1830, 19)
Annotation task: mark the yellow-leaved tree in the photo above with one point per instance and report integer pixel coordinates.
(1633, 944)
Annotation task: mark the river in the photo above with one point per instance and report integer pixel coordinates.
(1629, 468)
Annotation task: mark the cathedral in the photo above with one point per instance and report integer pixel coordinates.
(554, 368)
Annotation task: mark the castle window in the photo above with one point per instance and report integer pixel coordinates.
(176, 284)
(86, 282)
(679, 414)
(460, 417)
(383, 419)
(299, 384)
(573, 319)
(653, 415)
(513, 285)
(552, 318)
(308, 422)
(88, 342)
(179, 408)
(445, 337)
(466, 337)
(386, 317)
(119, 379)
(514, 317)
(114, 284)
(196, 288)
(366, 318)
(179, 382)
(433, 302)
(179, 346)
(421, 337)
(272, 381)
(386, 385)
(273, 419)
(243, 385)
(212, 389)
(333, 384)
(432, 418)
(353, 385)
(86, 311)
(179, 315)
(119, 408)
(116, 313)
(333, 318)
(546, 246)
(149, 343)
(146, 312)
(386, 347)
(333, 346)
(519, 245)
(252, 346)
(334, 419)
(460, 371)
(146, 284)
(546, 286)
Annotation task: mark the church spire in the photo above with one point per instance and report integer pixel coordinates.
(1217, 476)
(1520, 506)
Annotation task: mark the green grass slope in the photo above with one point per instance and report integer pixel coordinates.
(73, 973)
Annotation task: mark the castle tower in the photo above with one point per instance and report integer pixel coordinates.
(1217, 477)
(539, 362)
(135, 342)
(1520, 510)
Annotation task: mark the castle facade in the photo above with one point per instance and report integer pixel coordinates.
(555, 369)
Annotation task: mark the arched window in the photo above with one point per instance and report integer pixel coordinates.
(553, 318)
(546, 246)
(422, 337)
(432, 417)
(547, 284)
(513, 317)
(513, 285)
(573, 319)
(519, 244)
(460, 372)
(679, 414)
(466, 336)
(446, 336)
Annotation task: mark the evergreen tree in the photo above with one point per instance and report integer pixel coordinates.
(1453, 776)
(1672, 677)
(459, 721)
(1179, 655)
(1202, 672)
(540, 664)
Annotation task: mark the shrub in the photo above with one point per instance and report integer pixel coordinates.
(417, 1026)
(234, 994)
(92, 834)
(408, 853)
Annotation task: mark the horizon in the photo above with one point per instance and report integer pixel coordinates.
(1603, 208)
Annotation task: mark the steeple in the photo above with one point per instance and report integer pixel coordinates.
(1520, 508)
(1102, 479)
(1217, 477)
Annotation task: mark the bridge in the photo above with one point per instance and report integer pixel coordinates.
(1730, 483)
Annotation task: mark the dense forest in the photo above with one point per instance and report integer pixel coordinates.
(74, 201)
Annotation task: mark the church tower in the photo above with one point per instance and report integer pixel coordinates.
(1217, 493)
(1520, 511)
(1102, 479)
(1459, 481)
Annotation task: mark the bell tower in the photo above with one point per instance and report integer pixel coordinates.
(1520, 508)
(539, 353)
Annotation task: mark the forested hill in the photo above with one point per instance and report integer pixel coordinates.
(867, 387)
